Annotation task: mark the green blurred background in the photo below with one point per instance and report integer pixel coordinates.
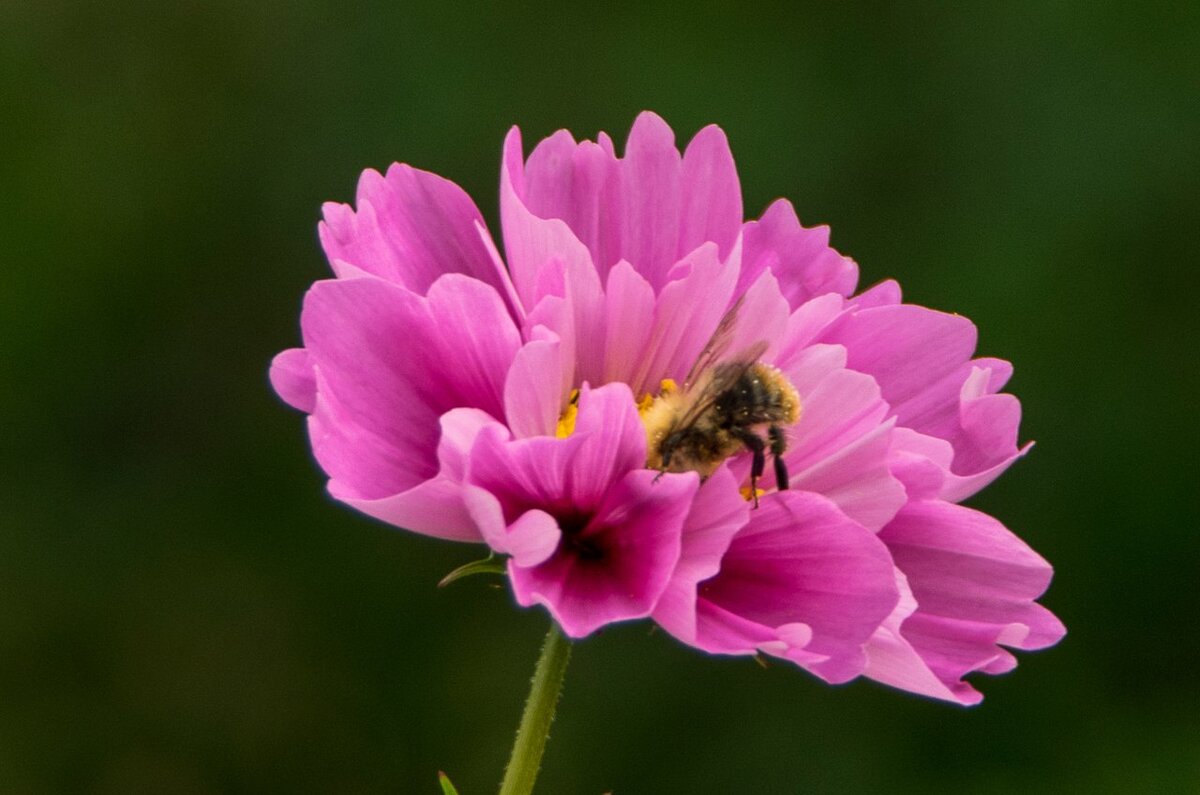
(182, 609)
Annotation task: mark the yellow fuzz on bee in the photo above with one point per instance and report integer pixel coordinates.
(566, 422)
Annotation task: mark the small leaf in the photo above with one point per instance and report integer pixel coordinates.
(489, 565)
(447, 787)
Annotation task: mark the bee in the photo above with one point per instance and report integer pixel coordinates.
(726, 405)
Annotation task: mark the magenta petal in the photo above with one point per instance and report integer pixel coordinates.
(800, 258)
(840, 446)
(433, 507)
(905, 348)
(638, 527)
(389, 363)
(974, 583)
(682, 324)
(293, 379)
(799, 560)
(711, 193)
(629, 302)
(411, 228)
(579, 184)
(717, 513)
(572, 473)
(532, 243)
(650, 199)
(534, 393)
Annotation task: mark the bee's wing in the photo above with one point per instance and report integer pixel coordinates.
(716, 380)
(716, 346)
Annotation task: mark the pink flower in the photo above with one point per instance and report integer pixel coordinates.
(525, 403)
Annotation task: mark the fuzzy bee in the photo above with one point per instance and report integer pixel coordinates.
(726, 404)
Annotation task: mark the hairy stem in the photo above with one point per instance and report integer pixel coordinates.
(526, 758)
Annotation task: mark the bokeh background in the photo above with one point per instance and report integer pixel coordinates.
(182, 609)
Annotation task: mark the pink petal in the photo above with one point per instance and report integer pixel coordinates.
(650, 199)
(682, 324)
(893, 661)
(711, 193)
(574, 473)
(411, 227)
(577, 183)
(629, 306)
(905, 348)
(639, 525)
(434, 507)
(293, 380)
(840, 445)
(800, 258)
(530, 242)
(389, 363)
(534, 396)
(799, 561)
(975, 584)
(717, 513)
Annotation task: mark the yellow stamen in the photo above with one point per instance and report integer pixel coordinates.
(566, 423)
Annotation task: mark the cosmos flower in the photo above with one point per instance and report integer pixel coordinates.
(600, 404)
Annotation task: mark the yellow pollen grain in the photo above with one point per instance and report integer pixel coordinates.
(745, 490)
(665, 387)
(566, 422)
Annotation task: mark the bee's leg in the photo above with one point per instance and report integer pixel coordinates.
(778, 445)
(758, 463)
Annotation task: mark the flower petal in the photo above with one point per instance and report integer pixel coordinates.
(411, 228)
(799, 561)
(389, 363)
(533, 390)
(974, 583)
(710, 192)
(293, 379)
(800, 258)
(639, 525)
(717, 513)
(433, 507)
(532, 243)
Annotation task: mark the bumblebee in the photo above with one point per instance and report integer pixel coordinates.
(725, 405)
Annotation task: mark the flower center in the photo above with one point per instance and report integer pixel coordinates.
(586, 548)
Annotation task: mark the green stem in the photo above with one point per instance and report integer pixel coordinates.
(526, 759)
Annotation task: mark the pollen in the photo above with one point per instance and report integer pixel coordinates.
(665, 387)
(752, 495)
(566, 422)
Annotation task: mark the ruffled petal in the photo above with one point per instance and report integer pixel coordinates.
(411, 227)
(433, 507)
(717, 513)
(636, 534)
(800, 258)
(649, 208)
(974, 584)
(534, 244)
(389, 363)
(594, 536)
(922, 361)
(571, 474)
(799, 569)
(840, 445)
